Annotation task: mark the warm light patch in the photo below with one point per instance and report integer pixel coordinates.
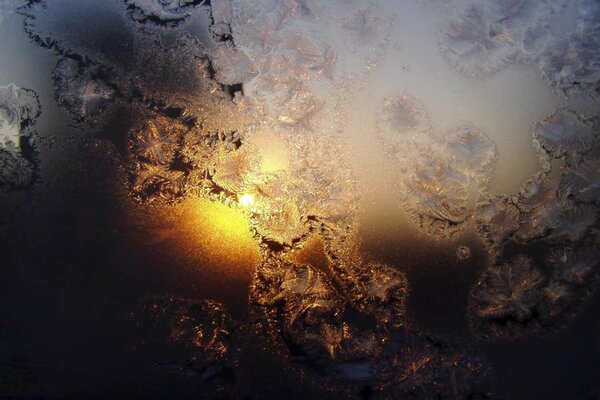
(214, 234)
(274, 151)
(223, 224)
(246, 200)
(313, 253)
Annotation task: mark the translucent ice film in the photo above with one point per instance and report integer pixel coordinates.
(269, 199)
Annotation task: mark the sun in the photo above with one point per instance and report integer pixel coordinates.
(246, 200)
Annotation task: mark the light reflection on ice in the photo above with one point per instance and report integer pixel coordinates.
(271, 108)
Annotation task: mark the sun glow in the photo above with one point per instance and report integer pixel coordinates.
(216, 232)
(246, 200)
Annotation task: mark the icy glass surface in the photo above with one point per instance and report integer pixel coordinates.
(364, 199)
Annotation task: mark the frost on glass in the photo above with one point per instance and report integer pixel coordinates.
(307, 305)
(302, 304)
(417, 367)
(483, 37)
(546, 213)
(442, 175)
(564, 132)
(365, 32)
(284, 72)
(19, 108)
(189, 337)
(161, 10)
(231, 66)
(373, 288)
(520, 297)
(574, 266)
(77, 89)
(507, 297)
(8, 7)
(238, 171)
(574, 277)
(170, 160)
(404, 120)
(570, 61)
(282, 222)
(582, 182)
(498, 218)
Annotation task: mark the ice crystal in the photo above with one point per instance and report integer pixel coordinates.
(238, 171)
(574, 266)
(484, 37)
(499, 218)
(366, 26)
(157, 141)
(193, 336)
(569, 62)
(403, 117)
(19, 108)
(161, 10)
(582, 182)
(546, 213)
(507, 296)
(281, 222)
(563, 132)
(471, 150)
(300, 302)
(76, 89)
(231, 66)
(442, 176)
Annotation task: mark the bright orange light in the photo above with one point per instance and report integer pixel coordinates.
(213, 237)
(246, 200)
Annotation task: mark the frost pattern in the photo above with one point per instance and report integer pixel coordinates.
(564, 132)
(573, 266)
(519, 298)
(192, 137)
(507, 296)
(231, 66)
(307, 306)
(19, 109)
(302, 303)
(193, 337)
(7, 7)
(498, 218)
(582, 182)
(486, 36)
(442, 176)
(83, 95)
(161, 10)
(570, 62)
(290, 59)
(545, 213)
(403, 118)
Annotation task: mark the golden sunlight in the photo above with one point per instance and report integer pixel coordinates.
(214, 232)
(246, 200)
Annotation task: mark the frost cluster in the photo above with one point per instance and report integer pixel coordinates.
(485, 36)
(190, 337)
(202, 117)
(161, 10)
(442, 176)
(519, 297)
(19, 109)
(78, 89)
(443, 180)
